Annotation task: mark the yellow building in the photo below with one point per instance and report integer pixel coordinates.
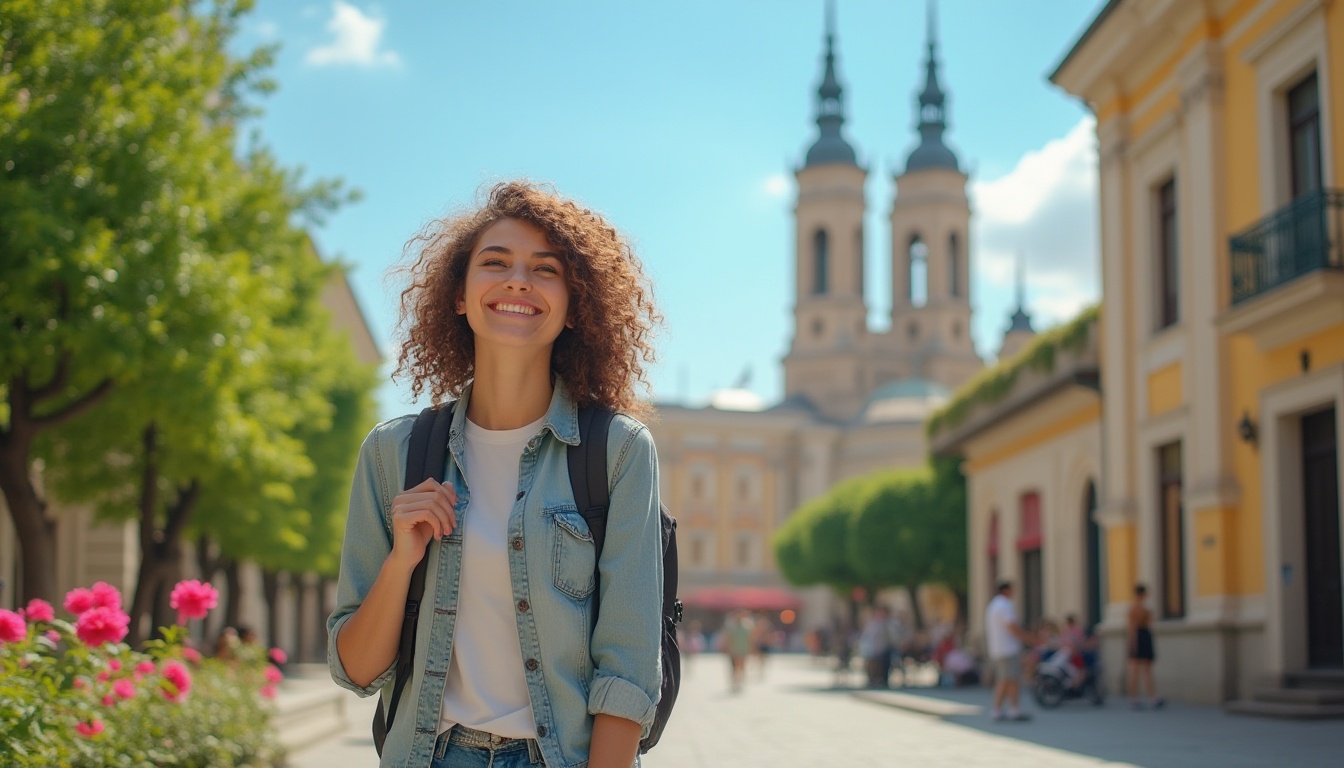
(1221, 142)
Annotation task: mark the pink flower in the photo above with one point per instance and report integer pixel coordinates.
(102, 625)
(179, 677)
(192, 600)
(278, 655)
(78, 600)
(124, 688)
(268, 691)
(273, 674)
(192, 655)
(40, 610)
(53, 636)
(79, 684)
(145, 667)
(103, 676)
(12, 627)
(114, 665)
(106, 596)
(108, 700)
(89, 730)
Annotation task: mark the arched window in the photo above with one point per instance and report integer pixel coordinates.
(858, 257)
(820, 261)
(953, 265)
(919, 272)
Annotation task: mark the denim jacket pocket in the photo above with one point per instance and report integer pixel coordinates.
(575, 556)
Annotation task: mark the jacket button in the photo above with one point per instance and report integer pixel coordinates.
(518, 544)
(532, 665)
(541, 731)
(519, 497)
(523, 606)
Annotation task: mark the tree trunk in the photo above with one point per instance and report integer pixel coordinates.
(160, 549)
(270, 585)
(233, 605)
(915, 610)
(36, 530)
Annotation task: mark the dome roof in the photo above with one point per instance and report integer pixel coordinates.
(831, 149)
(911, 399)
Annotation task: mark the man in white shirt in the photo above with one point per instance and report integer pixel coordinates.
(1004, 640)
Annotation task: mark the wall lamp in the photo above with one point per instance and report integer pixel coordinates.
(1246, 428)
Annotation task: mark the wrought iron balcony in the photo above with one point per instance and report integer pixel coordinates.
(1303, 236)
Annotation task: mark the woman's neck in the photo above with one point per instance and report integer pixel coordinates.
(510, 392)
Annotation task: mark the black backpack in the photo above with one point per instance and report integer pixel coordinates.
(426, 457)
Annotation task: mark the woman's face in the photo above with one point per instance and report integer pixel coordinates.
(515, 294)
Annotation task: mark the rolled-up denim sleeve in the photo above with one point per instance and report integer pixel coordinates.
(627, 640)
(366, 545)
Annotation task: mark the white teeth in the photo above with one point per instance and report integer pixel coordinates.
(518, 309)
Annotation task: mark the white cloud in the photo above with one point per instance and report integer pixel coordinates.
(777, 186)
(268, 30)
(1045, 210)
(356, 40)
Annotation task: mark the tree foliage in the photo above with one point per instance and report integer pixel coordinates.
(894, 528)
(165, 352)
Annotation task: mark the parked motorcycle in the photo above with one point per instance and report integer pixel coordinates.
(1057, 681)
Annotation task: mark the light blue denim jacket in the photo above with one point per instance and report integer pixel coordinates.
(575, 668)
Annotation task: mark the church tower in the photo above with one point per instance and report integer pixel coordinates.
(1019, 332)
(825, 360)
(930, 243)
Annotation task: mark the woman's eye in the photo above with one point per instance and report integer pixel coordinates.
(492, 263)
(548, 268)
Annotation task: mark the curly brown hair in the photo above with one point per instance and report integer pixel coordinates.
(600, 356)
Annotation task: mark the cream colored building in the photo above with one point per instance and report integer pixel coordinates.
(1031, 453)
(1221, 133)
(89, 550)
(855, 398)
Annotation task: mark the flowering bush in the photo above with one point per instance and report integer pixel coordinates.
(72, 694)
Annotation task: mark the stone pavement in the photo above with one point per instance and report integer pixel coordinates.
(795, 718)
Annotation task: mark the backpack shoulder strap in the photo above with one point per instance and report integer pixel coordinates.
(588, 470)
(425, 458)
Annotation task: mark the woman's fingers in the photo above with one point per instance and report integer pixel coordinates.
(432, 501)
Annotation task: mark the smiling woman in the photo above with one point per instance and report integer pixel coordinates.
(525, 311)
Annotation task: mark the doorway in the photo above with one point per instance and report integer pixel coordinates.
(1320, 502)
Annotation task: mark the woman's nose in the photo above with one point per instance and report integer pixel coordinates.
(519, 279)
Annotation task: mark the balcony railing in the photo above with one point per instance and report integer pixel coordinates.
(1304, 236)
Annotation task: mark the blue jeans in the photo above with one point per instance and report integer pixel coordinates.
(467, 748)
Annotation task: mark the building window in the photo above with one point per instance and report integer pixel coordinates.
(1304, 132)
(702, 483)
(919, 272)
(702, 550)
(1172, 521)
(858, 258)
(954, 265)
(746, 551)
(818, 328)
(820, 262)
(1168, 257)
(1029, 540)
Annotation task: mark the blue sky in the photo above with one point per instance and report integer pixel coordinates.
(683, 123)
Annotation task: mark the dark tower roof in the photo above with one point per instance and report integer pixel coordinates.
(932, 152)
(1020, 320)
(830, 146)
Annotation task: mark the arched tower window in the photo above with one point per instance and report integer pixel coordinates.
(858, 257)
(820, 262)
(953, 265)
(919, 272)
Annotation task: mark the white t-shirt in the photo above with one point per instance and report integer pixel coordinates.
(486, 687)
(999, 616)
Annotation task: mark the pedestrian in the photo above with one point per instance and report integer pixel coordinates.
(529, 651)
(762, 637)
(876, 647)
(1141, 654)
(1005, 644)
(737, 634)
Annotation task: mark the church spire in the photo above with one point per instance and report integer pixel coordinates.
(830, 146)
(1021, 321)
(932, 152)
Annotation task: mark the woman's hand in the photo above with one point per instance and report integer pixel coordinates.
(419, 515)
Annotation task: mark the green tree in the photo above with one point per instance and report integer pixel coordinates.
(811, 546)
(116, 126)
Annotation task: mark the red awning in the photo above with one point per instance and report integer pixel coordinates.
(749, 598)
